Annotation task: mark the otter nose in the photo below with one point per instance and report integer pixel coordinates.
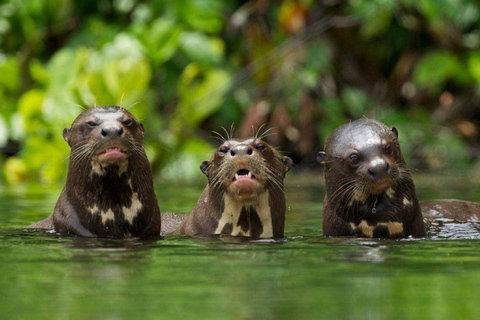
(241, 150)
(112, 132)
(378, 168)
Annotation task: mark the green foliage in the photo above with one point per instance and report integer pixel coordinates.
(104, 64)
(185, 68)
(438, 67)
(440, 146)
(161, 39)
(201, 48)
(200, 94)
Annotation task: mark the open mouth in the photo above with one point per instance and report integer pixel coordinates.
(112, 153)
(243, 174)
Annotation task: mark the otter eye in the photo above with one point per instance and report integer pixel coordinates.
(354, 159)
(388, 149)
(92, 124)
(223, 150)
(260, 147)
(128, 122)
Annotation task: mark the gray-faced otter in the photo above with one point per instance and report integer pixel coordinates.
(244, 195)
(369, 190)
(109, 187)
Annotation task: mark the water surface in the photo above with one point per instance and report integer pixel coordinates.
(302, 276)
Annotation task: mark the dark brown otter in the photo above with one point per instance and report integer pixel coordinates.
(244, 195)
(369, 190)
(109, 188)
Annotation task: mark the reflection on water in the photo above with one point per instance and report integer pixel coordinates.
(443, 228)
(368, 252)
(301, 276)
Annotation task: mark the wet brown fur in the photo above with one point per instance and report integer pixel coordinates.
(458, 210)
(266, 164)
(114, 190)
(348, 202)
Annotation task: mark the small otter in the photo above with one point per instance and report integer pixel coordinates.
(244, 195)
(109, 187)
(369, 190)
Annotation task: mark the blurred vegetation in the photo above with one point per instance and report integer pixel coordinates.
(188, 67)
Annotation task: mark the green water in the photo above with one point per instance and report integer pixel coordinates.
(303, 276)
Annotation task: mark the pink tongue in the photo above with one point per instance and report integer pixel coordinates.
(113, 154)
(241, 178)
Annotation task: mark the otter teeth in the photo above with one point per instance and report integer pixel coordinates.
(243, 173)
(111, 149)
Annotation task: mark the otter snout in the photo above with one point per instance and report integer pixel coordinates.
(378, 168)
(241, 150)
(110, 131)
(379, 171)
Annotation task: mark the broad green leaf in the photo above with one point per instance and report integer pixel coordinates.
(9, 73)
(204, 15)
(437, 67)
(200, 92)
(30, 106)
(162, 39)
(200, 48)
(39, 73)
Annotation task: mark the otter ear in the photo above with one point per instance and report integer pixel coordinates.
(66, 133)
(204, 167)
(395, 132)
(287, 162)
(321, 156)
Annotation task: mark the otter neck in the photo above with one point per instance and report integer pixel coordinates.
(396, 201)
(91, 180)
(85, 181)
(253, 219)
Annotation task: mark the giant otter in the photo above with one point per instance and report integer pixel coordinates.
(369, 190)
(109, 188)
(244, 195)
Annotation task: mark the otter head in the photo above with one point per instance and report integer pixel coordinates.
(106, 138)
(362, 158)
(246, 169)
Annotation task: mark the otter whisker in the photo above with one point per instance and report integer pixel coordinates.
(276, 180)
(226, 133)
(80, 153)
(232, 131)
(348, 190)
(341, 190)
(132, 105)
(83, 108)
(267, 133)
(218, 136)
(258, 131)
